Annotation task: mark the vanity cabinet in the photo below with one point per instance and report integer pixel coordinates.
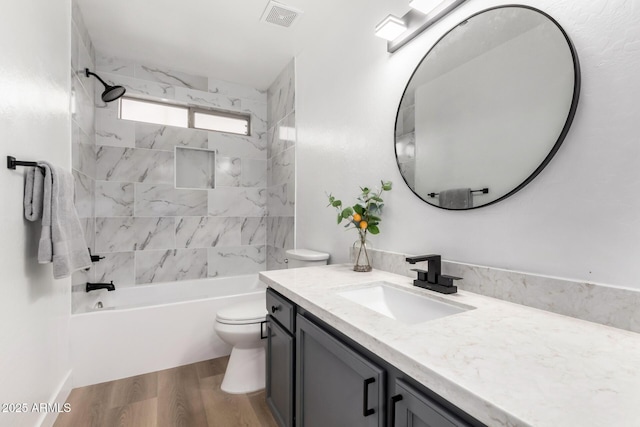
(318, 377)
(411, 408)
(280, 357)
(335, 385)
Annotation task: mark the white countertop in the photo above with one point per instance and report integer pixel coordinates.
(503, 363)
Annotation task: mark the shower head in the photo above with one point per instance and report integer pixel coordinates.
(111, 93)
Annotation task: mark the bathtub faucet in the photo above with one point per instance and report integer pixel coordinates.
(96, 286)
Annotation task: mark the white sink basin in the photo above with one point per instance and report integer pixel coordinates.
(397, 304)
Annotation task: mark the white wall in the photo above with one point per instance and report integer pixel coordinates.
(579, 219)
(34, 124)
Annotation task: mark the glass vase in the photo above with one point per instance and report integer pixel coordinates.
(361, 261)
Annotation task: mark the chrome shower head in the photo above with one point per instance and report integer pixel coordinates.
(111, 93)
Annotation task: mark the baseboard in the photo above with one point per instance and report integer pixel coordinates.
(59, 397)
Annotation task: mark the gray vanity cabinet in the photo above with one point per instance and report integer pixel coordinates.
(279, 384)
(411, 408)
(318, 377)
(336, 386)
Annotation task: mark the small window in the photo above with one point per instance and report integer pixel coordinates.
(222, 123)
(154, 112)
(163, 113)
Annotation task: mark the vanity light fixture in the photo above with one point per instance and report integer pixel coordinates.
(422, 15)
(390, 28)
(427, 6)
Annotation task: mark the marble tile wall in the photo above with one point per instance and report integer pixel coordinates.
(83, 147)
(149, 226)
(281, 137)
(607, 305)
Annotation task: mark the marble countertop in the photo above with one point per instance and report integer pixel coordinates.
(503, 363)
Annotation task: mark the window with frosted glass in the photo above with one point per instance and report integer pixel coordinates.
(164, 113)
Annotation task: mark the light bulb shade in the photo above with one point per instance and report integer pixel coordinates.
(390, 28)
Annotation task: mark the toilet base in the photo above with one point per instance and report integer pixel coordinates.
(246, 370)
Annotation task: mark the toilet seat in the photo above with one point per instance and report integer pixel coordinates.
(244, 313)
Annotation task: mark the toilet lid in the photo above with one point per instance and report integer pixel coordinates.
(307, 255)
(252, 311)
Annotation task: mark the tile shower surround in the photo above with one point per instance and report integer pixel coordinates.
(83, 148)
(281, 139)
(148, 230)
(607, 305)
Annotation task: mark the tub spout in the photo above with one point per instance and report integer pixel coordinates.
(96, 286)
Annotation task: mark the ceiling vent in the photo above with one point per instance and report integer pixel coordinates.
(280, 14)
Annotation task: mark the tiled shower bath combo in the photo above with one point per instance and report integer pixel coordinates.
(163, 203)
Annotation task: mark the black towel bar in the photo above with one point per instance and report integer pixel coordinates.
(12, 163)
(483, 191)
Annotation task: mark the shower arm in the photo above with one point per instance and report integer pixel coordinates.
(89, 73)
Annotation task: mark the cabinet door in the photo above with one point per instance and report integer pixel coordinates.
(280, 369)
(335, 385)
(414, 409)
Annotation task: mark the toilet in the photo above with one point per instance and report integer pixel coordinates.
(305, 258)
(242, 326)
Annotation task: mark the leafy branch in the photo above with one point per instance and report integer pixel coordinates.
(365, 214)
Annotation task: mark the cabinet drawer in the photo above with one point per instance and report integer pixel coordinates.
(281, 309)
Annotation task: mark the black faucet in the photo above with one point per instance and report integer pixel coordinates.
(432, 278)
(96, 286)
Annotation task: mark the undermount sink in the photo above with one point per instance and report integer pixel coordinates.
(400, 305)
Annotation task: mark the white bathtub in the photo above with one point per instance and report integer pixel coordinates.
(143, 329)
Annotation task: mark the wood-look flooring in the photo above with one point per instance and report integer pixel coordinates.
(186, 396)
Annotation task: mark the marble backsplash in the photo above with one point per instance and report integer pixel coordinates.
(607, 305)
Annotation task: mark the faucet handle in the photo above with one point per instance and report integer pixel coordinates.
(447, 280)
(94, 258)
(422, 274)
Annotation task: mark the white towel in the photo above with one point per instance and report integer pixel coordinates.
(62, 240)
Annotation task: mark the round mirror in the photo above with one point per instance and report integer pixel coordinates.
(487, 108)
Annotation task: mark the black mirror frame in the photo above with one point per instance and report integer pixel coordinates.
(563, 133)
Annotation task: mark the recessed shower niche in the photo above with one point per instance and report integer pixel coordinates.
(195, 168)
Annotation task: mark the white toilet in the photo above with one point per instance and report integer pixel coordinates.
(241, 325)
(305, 258)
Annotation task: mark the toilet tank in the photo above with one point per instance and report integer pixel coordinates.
(305, 258)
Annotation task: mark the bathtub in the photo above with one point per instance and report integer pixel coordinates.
(148, 328)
